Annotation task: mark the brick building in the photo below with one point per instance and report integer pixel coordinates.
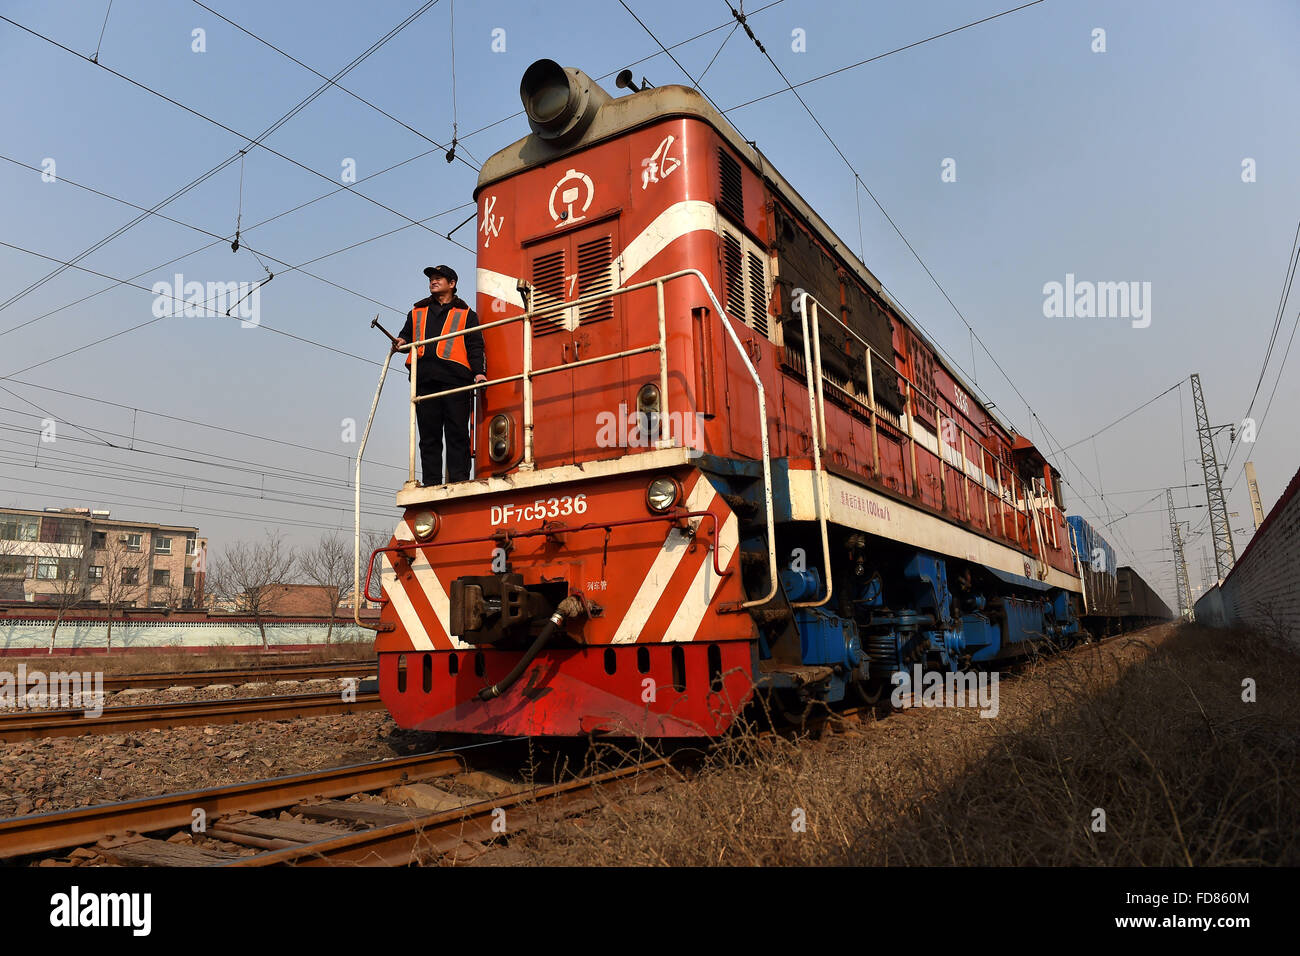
(76, 556)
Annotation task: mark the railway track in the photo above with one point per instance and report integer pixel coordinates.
(31, 724)
(325, 830)
(248, 675)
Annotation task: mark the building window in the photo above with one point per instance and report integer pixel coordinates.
(189, 578)
(127, 603)
(47, 569)
(96, 572)
(19, 529)
(191, 546)
(162, 545)
(133, 542)
(99, 540)
(130, 575)
(16, 566)
(162, 579)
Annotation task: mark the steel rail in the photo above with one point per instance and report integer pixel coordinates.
(242, 676)
(34, 723)
(39, 833)
(422, 838)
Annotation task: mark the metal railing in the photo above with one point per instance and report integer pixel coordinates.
(528, 374)
(1020, 498)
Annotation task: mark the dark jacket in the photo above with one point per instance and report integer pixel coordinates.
(438, 371)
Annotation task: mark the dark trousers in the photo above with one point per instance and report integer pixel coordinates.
(447, 417)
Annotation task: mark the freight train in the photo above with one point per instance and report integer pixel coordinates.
(1113, 599)
(715, 459)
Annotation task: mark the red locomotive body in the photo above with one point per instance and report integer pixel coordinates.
(695, 396)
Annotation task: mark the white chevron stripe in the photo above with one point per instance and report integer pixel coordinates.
(661, 571)
(405, 610)
(437, 597)
(697, 600)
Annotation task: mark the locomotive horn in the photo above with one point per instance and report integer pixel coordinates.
(561, 103)
(624, 82)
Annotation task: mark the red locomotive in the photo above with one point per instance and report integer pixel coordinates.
(714, 459)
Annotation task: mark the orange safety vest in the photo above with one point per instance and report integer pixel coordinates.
(453, 350)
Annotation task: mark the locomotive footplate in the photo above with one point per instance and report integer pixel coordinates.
(488, 608)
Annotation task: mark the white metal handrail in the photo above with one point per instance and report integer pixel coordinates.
(358, 595)
(529, 373)
(912, 392)
(817, 413)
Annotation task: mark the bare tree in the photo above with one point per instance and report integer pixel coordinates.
(249, 573)
(67, 585)
(120, 580)
(329, 566)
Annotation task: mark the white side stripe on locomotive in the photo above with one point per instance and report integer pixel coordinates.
(677, 220)
(661, 571)
(697, 600)
(501, 287)
(690, 215)
(402, 604)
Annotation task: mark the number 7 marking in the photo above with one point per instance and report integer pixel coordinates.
(573, 281)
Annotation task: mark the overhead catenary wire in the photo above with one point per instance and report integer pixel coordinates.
(255, 140)
(1048, 437)
(200, 424)
(100, 43)
(342, 89)
(175, 299)
(1124, 417)
(381, 172)
(219, 239)
(878, 56)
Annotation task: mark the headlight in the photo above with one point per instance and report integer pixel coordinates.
(425, 525)
(647, 399)
(499, 438)
(662, 494)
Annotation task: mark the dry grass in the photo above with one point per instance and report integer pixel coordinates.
(1152, 730)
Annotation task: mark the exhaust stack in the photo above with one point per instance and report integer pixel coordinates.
(560, 103)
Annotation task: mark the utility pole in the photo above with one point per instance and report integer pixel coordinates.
(1256, 508)
(1205, 570)
(1225, 556)
(1180, 562)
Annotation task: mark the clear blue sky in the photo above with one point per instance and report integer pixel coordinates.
(1117, 166)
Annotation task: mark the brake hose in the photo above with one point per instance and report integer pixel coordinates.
(569, 607)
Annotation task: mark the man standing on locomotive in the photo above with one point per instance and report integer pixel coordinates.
(450, 363)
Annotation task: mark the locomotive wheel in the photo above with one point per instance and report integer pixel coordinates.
(871, 691)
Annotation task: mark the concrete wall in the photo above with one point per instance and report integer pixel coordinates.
(1263, 589)
(25, 637)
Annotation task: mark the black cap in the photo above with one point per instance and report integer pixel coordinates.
(447, 272)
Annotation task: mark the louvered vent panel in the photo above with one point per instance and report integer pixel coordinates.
(548, 289)
(733, 268)
(595, 275)
(757, 294)
(733, 190)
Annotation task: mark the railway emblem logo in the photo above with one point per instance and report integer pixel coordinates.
(659, 164)
(569, 196)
